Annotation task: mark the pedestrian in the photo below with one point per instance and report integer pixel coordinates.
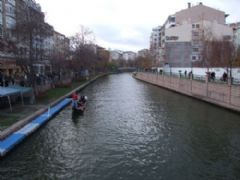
(185, 73)
(224, 76)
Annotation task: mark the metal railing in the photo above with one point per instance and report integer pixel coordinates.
(195, 77)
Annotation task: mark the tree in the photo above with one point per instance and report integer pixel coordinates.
(237, 61)
(102, 59)
(30, 31)
(145, 62)
(84, 50)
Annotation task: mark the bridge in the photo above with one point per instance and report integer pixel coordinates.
(127, 69)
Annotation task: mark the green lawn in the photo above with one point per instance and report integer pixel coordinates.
(55, 93)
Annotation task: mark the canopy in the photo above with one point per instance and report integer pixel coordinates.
(21, 88)
(13, 90)
(7, 91)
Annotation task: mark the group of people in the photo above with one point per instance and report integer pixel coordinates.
(78, 101)
(189, 74)
(212, 76)
(6, 80)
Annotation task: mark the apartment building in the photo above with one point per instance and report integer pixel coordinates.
(236, 33)
(7, 47)
(116, 55)
(15, 42)
(183, 33)
(143, 53)
(155, 42)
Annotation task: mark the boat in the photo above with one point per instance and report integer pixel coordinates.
(79, 105)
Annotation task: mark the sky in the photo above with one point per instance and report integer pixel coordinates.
(122, 24)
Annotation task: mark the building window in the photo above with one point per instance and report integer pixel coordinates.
(195, 49)
(172, 38)
(195, 26)
(194, 58)
(172, 19)
(195, 34)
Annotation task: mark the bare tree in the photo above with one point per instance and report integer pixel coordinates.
(84, 50)
(102, 59)
(30, 31)
(145, 62)
(237, 61)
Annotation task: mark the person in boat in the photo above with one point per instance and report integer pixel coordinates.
(75, 99)
(81, 103)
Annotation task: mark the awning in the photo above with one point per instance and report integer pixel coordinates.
(14, 90)
(7, 91)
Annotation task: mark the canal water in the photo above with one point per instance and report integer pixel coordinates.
(131, 131)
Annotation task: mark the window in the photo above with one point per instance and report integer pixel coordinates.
(195, 49)
(172, 19)
(172, 38)
(195, 26)
(195, 34)
(195, 57)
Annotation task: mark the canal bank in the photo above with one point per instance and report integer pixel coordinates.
(13, 135)
(223, 95)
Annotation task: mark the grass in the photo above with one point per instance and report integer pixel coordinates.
(55, 93)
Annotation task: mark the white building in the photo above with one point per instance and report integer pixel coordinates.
(129, 55)
(155, 42)
(143, 53)
(183, 33)
(116, 55)
(236, 31)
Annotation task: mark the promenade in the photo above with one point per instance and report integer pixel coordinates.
(221, 94)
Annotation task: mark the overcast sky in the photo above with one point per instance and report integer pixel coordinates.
(122, 24)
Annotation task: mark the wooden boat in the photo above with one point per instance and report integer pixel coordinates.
(79, 106)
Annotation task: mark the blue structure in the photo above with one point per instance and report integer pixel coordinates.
(7, 144)
(13, 91)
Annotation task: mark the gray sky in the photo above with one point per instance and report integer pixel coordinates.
(122, 24)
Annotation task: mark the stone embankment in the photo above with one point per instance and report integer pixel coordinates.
(221, 94)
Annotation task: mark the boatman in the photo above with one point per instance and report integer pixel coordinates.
(75, 97)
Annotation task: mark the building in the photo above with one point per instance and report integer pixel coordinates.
(129, 56)
(55, 48)
(183, 34)
(143, 53)
(155, 42)
(236, 33)
(16, 18)
(116, 55)
(7, 47)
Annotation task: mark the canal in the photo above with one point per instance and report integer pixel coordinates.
(131, 131)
